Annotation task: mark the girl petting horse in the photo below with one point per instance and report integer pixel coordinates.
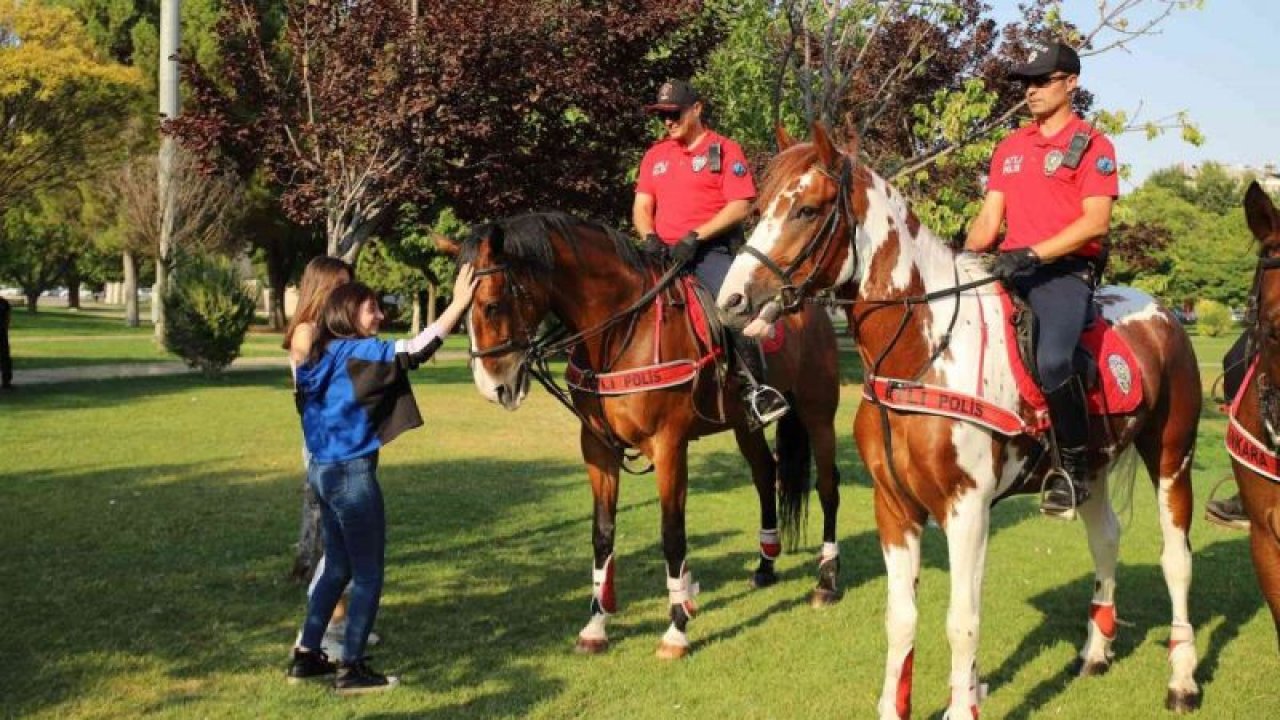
(639, 377)
(947, 427)
(354, 397)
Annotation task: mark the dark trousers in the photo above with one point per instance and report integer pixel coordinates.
(711, 266)
(1059, 295)
(6, 360)
(355, 540)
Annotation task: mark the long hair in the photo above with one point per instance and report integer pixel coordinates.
(322, 275)
(338, 317)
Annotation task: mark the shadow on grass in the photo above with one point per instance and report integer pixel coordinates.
(1223, 593)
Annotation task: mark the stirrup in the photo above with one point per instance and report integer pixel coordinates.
(1067, 514)
(762, 397)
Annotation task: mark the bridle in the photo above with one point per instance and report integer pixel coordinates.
(790, 296)
(525, 341)
(1268, 398)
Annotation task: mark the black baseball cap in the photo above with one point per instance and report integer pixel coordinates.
(1046, 59)
(674, 95)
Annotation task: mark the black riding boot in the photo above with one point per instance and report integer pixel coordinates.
(762, 403)
(1068, 488)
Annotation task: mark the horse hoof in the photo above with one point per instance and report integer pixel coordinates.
(822, 597)
(1182, 701)
(591, 646)
(667, 651)
(1094, 668)
(763, 580)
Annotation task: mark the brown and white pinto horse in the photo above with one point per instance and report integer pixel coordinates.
(1253, 435)
(827, 221)
(594, 281)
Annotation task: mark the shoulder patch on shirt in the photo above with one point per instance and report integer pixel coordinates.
(659, 168)
(1012, 165)
(739, 168)
(1105, 165)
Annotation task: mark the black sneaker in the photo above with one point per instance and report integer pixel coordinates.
(356, 678)
(310, 665)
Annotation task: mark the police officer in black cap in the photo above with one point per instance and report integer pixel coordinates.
(1052, 184)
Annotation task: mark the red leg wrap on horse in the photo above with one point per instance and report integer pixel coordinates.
(1104, 616)
(904, 685)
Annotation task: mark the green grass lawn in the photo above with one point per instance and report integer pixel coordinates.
(57, 337)
(149, 526)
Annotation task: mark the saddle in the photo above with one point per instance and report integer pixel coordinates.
(1116, 391)
(684, 300)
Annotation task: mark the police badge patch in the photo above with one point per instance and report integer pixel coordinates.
(659, 168)
(1105, 165)
(739, 168)
(699, 162)
(1120, 371)
(1052, 162)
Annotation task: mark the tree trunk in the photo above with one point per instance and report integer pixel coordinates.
(157, 295)
(73, 285)
(416, 325)
(276, 312)
(130, 289)
(278, 271)
(32, 299)
(432, 292)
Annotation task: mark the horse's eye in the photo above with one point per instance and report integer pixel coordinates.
(490, 310)
(806, 212)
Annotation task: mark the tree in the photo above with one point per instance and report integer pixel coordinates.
(66, 108)
(356, 108)
(37, 245)
(207, 209)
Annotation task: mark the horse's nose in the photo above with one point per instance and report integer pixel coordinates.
(735, 303)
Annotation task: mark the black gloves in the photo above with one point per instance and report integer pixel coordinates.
(654, 245)
(682, 252)
(1009, 265)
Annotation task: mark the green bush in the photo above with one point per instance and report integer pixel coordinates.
(207, 312)
(1213, 318)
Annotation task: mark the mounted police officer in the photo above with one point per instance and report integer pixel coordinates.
(1052, 184)
(693, 192)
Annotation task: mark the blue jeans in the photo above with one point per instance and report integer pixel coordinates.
(355, 541)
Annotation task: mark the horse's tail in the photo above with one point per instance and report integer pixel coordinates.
(1121, 477)
(795, 459)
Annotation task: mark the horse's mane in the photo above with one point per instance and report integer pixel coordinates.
(795, 160)
(527, 239)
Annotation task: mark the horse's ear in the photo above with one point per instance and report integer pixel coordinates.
(827, 151)
(782, 138)
(446, 245)
(1261, 213)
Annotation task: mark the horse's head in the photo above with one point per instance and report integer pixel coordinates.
(504, 318)
(1264, 222)
(801, 245)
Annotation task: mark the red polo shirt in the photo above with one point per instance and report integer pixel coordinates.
(685, 191)
(1041, 196)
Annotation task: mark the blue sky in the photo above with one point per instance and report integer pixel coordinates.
(1221, 64)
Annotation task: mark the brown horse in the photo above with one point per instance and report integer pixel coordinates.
(640, 380)
(929, 323)
(1253, 434)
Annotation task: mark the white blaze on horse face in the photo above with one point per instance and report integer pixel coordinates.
(503, 387)
(763, 238)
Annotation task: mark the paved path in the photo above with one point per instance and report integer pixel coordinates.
(122, 371)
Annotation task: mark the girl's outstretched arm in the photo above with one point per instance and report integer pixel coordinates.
(419, 349)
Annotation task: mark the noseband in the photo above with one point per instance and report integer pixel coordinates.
(511, 344)
(790, 296)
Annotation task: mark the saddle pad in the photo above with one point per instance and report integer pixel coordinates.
(1119, 389)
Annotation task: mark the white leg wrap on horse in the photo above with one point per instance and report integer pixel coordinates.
(770, 544)
(830, 551)
(681, 590)
(673, 636)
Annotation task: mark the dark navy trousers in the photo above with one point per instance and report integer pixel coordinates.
(1060, 296)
